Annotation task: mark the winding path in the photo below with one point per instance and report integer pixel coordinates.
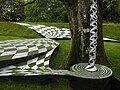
(31, 57)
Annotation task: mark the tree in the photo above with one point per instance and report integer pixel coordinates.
(110, 11)
(53, 10)
(13, 10)
(80, 37)
(46, 10)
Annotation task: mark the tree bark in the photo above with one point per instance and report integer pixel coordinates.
(79, 27)
(75, 52)
(101, 55)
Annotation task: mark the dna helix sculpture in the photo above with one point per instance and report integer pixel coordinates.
(93, 36)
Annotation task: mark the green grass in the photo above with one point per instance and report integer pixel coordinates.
(9, 37)
(112, 51)
(58, 85)
(111, 31)
(18, 86)
(59, 56)
(113, 54)
(12, 29)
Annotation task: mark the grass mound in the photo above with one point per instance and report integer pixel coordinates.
(12, 29)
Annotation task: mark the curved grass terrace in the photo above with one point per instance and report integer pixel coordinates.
(10, 31)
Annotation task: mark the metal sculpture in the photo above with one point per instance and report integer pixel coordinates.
(93, 36)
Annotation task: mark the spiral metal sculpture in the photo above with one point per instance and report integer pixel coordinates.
(93, 36)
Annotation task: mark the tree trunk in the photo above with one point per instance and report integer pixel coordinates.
(75, 52)
(101, 55)
(79, 27)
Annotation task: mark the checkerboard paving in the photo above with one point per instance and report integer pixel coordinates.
(49, 32)
(56, 33)
(13, 49)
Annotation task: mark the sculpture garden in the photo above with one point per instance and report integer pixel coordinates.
(56, 69)
(83, 55)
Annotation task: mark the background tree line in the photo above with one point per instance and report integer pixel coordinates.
(51, 10)
(46, 10)
(54, 10)
(11, 10)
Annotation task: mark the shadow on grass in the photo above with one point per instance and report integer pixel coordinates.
(75, 83)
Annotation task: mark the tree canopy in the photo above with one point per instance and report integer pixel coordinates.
(51, 10)
(13, 10)
(54, 10)
(46, 10)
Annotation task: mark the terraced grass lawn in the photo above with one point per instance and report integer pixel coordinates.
(9, 37)
(12, 29)
(113, 54)
(110, 30)
(112, 51)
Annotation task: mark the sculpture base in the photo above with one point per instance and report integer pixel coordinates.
(102, 71)
(91, 68)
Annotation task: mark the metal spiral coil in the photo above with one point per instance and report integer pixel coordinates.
(93, 36)
(102, 71)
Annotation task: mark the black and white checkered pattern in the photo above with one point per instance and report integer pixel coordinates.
(50, 32)
(56, 33)
(13, 49)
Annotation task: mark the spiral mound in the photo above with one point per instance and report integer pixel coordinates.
(102, 71)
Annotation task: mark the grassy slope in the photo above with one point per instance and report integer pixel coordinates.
(112, 50)
(109, 30)
(9, 37)
(11, 29)
(113, 54)
(60, 54)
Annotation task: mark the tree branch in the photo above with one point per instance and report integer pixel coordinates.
(25, 4)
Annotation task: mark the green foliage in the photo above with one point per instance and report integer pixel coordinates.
(7, 16)
(54, 10)
(11, 10)
(46, 10)
(112, 49)
(109, 10)
(119, 5)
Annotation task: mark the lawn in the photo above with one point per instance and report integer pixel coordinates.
(13, 31)
(58, 85)
(9, 37)
(111, 31)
